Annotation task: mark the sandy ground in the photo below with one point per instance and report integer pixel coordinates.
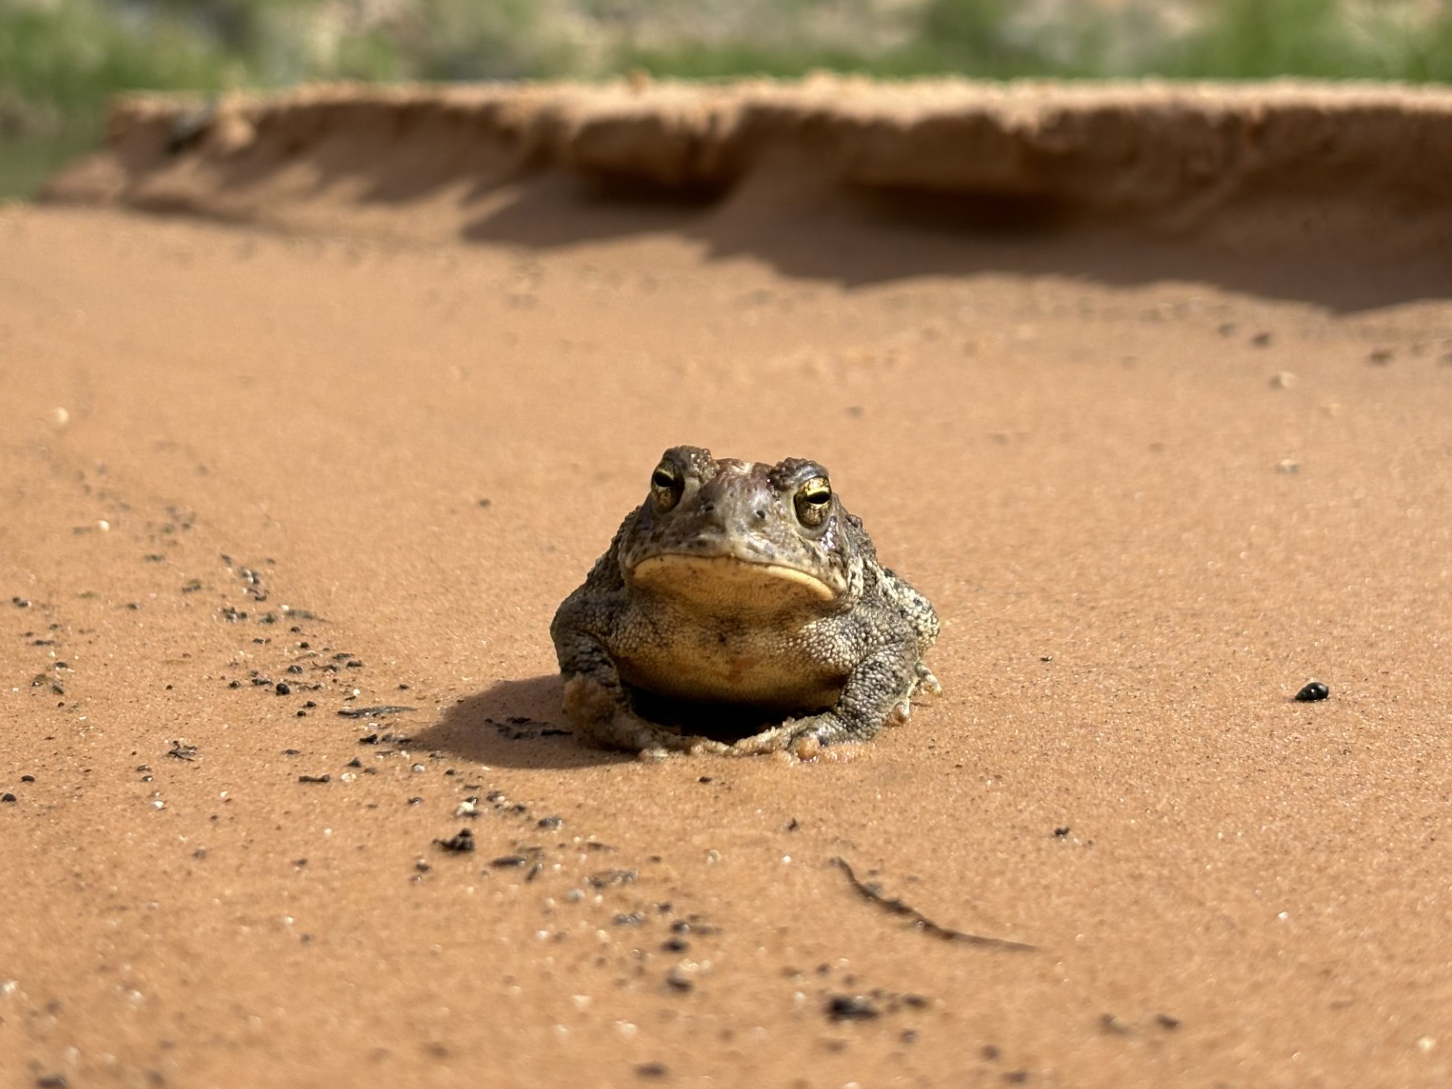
(254, 484)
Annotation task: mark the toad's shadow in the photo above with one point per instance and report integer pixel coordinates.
(522, 724)
(518, 724)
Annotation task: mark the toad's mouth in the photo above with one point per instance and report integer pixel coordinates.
(730, 580)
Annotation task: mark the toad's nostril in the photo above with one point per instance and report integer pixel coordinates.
(761, 514)
(708, 507)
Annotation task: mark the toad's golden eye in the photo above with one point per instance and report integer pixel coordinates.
(666, 486)
(813, 501)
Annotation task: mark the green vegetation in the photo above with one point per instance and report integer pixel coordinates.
(60, 60)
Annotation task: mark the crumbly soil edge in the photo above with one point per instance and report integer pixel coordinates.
(1277, 163)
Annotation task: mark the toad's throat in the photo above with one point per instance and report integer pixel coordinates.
(731, 582)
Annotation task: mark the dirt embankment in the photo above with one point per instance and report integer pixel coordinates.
(1256, 166)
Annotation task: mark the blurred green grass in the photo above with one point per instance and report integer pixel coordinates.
(60, 60)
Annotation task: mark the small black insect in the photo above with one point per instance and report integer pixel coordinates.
(1312, 692)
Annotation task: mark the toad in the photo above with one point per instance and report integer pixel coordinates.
(745, 586)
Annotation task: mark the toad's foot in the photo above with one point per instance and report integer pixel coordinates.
(924, 681)
(807, 738)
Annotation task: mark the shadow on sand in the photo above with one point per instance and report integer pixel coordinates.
(515, 724)
(521, 724)
(861, 236)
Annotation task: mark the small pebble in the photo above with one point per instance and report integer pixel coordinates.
(1113, 1025)
(463, 840)
(283, 688)
(1312, 692)
(851, 1007)
(677, 980)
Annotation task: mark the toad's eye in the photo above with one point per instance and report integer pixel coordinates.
(813, 501)
(666, 486)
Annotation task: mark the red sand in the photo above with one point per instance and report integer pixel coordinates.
(1154, 478)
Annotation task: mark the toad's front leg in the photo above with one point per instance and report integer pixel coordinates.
(596, 701)
(879, 688)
